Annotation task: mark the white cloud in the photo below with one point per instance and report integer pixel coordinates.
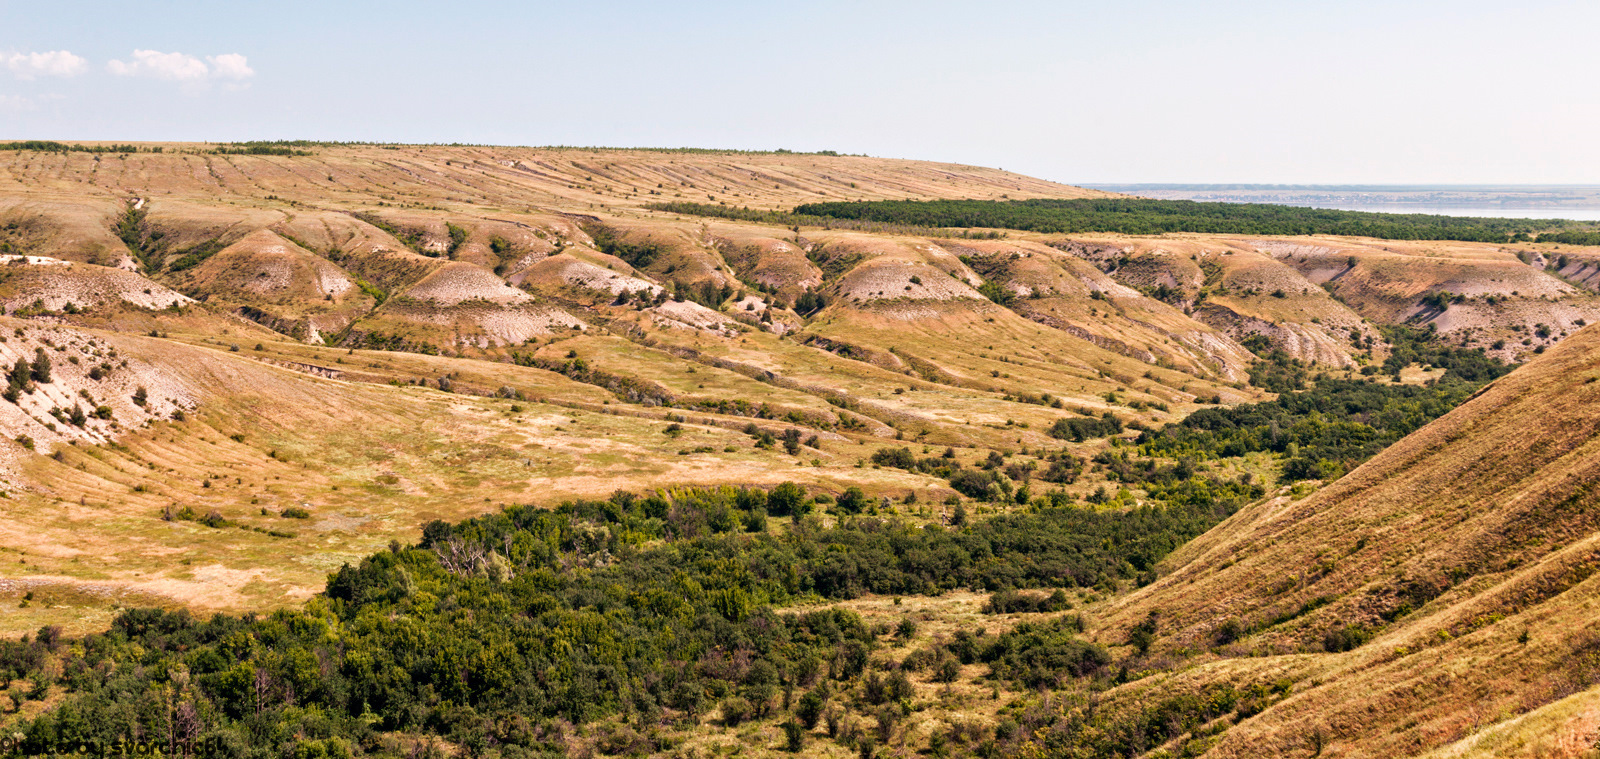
(171, 66)
(53, 63)
(230, 66)
(181, 67)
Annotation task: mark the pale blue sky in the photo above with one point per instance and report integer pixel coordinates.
(1131, 91)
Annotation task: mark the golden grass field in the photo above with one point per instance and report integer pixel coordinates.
(353, 341)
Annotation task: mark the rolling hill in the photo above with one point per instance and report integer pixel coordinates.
(232, 374)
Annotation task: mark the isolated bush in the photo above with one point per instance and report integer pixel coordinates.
(973, 484)
(899, 458)
(1080, 429)
(1229, 631)
(1013, 602)
(1346, 639)
(853, 500)
(40, 372)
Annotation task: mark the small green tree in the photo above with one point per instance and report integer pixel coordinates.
(853, 500)
(898, 687)
(809, 710)
(760, 685)
(755, 520)
(1143, 634)
(21, 374)
(41, 367)
(795, 735)
(787, 499)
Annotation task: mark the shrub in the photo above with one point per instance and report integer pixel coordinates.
(1229, 631)
(1346, 639)
(1012, 602)
(1064, 469)
(787, 499)
(40, 372)
(1079, 430)
(809, 710)
(755, 520)
(973, 484)
(853, 500)
(899, 458)
(735, 710)
(795, 736)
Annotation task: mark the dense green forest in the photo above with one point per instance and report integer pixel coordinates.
(501, 633)
(258, 148)
(1572, 237)
(1324, 429)
(47, 146)
(1144, 216)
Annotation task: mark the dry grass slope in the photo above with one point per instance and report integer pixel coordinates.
(1465, 552)
(1468, 548)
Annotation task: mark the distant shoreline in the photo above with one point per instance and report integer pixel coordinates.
(1576, 202)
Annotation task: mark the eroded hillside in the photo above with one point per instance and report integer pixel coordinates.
(516, 297)
(1443, 586)
(230, 375)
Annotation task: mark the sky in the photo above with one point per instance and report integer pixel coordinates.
(1111, 91)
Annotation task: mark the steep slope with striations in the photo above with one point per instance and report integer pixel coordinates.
(1443, 586)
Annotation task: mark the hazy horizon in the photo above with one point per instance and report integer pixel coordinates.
(1145, 92)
